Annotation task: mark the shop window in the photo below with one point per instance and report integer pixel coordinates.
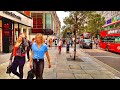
(39, 26)
(34, 26)
(0, 39)
(39, 20)
(34, 21)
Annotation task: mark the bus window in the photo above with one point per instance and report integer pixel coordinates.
(117, 39)
(112, 39)
(102, 39)
(105, 39)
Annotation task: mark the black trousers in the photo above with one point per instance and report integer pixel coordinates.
(28, 56)
(38, 67)
(18, 61)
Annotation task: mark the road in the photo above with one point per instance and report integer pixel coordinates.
(109, 58)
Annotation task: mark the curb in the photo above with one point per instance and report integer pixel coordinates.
(114, 71)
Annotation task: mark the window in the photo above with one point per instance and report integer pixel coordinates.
(117, 39)
(37, 21)
(34, 21)
(48, 21)
(108, 39)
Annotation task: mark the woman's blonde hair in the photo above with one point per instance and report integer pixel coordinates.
(41, 36)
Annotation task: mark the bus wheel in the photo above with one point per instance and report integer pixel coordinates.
(107, 49)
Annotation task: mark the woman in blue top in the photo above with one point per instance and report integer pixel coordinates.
(39, 49)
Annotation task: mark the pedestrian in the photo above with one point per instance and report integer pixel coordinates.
(50, 42)
(28, 48)
(33, 40)
(60, 45)
(46, 41)
(39, 49)
(18, 52)
(71, 42)
(55, 42)
(96, 42)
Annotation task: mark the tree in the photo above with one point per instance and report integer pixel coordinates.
(82, 17)
(87, 21)
(95, 23)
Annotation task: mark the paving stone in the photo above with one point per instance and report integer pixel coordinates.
(73, 63)
(106, 72)
(62, 66)
(48, 69)
(88, 68)
(61, 70)
(83, 76)
(95, 76)
(114, 77)
(49, 75)
(74, 67)
(77, 71)
(65, 76)
(92, 72)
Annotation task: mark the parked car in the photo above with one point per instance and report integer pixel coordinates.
(85, 43)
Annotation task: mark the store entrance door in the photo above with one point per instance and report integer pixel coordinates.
(7, 41)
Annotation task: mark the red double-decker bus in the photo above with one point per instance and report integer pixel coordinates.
(110, 37)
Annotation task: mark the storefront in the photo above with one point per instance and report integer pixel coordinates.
(0, 40)
(13, 23)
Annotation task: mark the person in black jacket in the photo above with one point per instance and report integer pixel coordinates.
(19, 52)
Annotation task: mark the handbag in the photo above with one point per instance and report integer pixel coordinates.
(9, 69)
(31, 74)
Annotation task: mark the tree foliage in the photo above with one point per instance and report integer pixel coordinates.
(87, 21)
(95, 23)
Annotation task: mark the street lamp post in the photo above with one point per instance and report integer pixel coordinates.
(75, 36)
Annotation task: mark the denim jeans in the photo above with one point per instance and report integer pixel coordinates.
(38, 67)
(18, 61)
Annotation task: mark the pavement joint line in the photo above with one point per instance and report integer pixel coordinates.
(105, 65)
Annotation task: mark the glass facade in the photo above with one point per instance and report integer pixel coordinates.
(48, 21)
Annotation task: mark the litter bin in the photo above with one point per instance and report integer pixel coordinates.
(67, 48)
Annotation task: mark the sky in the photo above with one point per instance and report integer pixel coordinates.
(62, 15)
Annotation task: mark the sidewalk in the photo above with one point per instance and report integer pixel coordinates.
(61, 68)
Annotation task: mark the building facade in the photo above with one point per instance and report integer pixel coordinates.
(45, 22)
(12, 23)
(110, 16)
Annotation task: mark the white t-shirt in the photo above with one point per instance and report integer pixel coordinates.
(60, 43)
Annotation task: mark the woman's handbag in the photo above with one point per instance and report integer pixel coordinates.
(9, 69)
(31, 74)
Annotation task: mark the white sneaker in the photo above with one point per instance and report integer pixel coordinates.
(24, 78)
